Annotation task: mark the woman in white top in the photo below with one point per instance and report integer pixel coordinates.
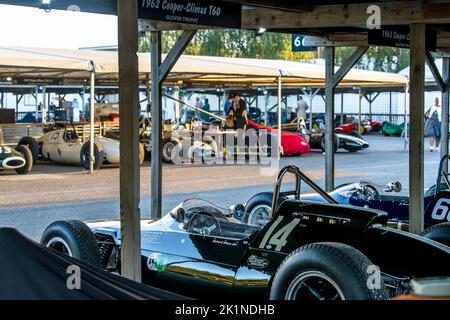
(433, 125)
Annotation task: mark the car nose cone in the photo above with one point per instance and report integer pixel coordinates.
(13, 163)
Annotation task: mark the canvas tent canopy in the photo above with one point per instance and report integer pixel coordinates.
(74, 66)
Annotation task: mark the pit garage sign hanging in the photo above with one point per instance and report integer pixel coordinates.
(209, 13)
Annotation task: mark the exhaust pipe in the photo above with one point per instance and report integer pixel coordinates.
(13, 163)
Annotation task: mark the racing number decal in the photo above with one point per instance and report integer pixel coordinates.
(279, 239)
(440, 211)
(6, 150)
(55, 137)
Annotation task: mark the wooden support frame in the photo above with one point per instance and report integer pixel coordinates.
(332, 79)
(435, 71)
(347, 65)
(175, 54)
(416, 141)
(160, 71)
(156, 118)
(445, 109)
(129, 139)
(329, 118)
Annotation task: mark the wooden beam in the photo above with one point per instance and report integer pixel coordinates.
(416, 141)
(175, 53)
(329, 118)
(347, 65)
(435, 71)
(156, 114)
(348, 15)
(313, 41)
(279, 5)
(129, 140)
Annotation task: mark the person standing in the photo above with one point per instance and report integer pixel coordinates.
(302, 107)
(206, 107)
(229, 104)
(239, 113)
(433, 125)
(199, 105)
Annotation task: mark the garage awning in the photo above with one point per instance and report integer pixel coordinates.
(74, 66)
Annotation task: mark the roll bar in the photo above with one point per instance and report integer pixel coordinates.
(442, 173)
(299, 176)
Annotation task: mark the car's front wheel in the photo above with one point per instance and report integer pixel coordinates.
(28, 156)
(327, 271)
(73, 238)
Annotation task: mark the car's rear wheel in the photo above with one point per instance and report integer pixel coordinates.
(259, 208)
(439, 232)
(32, 144)
(335, 145)
(326, 271)
(85, 155)
(28, 156)
(168, 148)
(73, 238)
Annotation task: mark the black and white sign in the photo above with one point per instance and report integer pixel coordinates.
(201, 12)
(398, 37)
(298, 44)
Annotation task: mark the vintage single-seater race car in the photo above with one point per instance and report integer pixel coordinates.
(306, 251)
(387, 198)
(19, 160)
(65, 146)
(347, 142)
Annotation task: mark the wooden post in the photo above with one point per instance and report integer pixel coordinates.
(360, 95)
(416, 141)
(279, 119)
(445, 107)
(129, 139)
(390, 107)
(156, 112)
(329, 119)
(91, 121)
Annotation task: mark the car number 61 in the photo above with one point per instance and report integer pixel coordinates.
(440, 211)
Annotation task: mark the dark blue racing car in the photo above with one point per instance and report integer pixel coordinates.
(389, 198)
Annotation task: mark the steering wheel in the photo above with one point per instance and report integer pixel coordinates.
(204, 224)
(369, 191)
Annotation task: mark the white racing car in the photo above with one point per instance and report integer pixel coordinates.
(64, 146)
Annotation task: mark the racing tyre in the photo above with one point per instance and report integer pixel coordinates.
(32, 144)
(326, 271)
(258, 209)
(322, 144)
(169, 146)
(439, 232)
(98, 155)
(26, 152)
(73, 238)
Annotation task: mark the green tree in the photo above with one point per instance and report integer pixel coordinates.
(233, 43)
(386, 59)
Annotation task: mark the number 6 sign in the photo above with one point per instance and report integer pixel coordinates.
(440, 211)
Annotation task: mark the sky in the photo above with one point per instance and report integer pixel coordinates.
(32, 27)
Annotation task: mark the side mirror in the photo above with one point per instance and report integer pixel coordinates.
(238, 211)
(393, 187)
